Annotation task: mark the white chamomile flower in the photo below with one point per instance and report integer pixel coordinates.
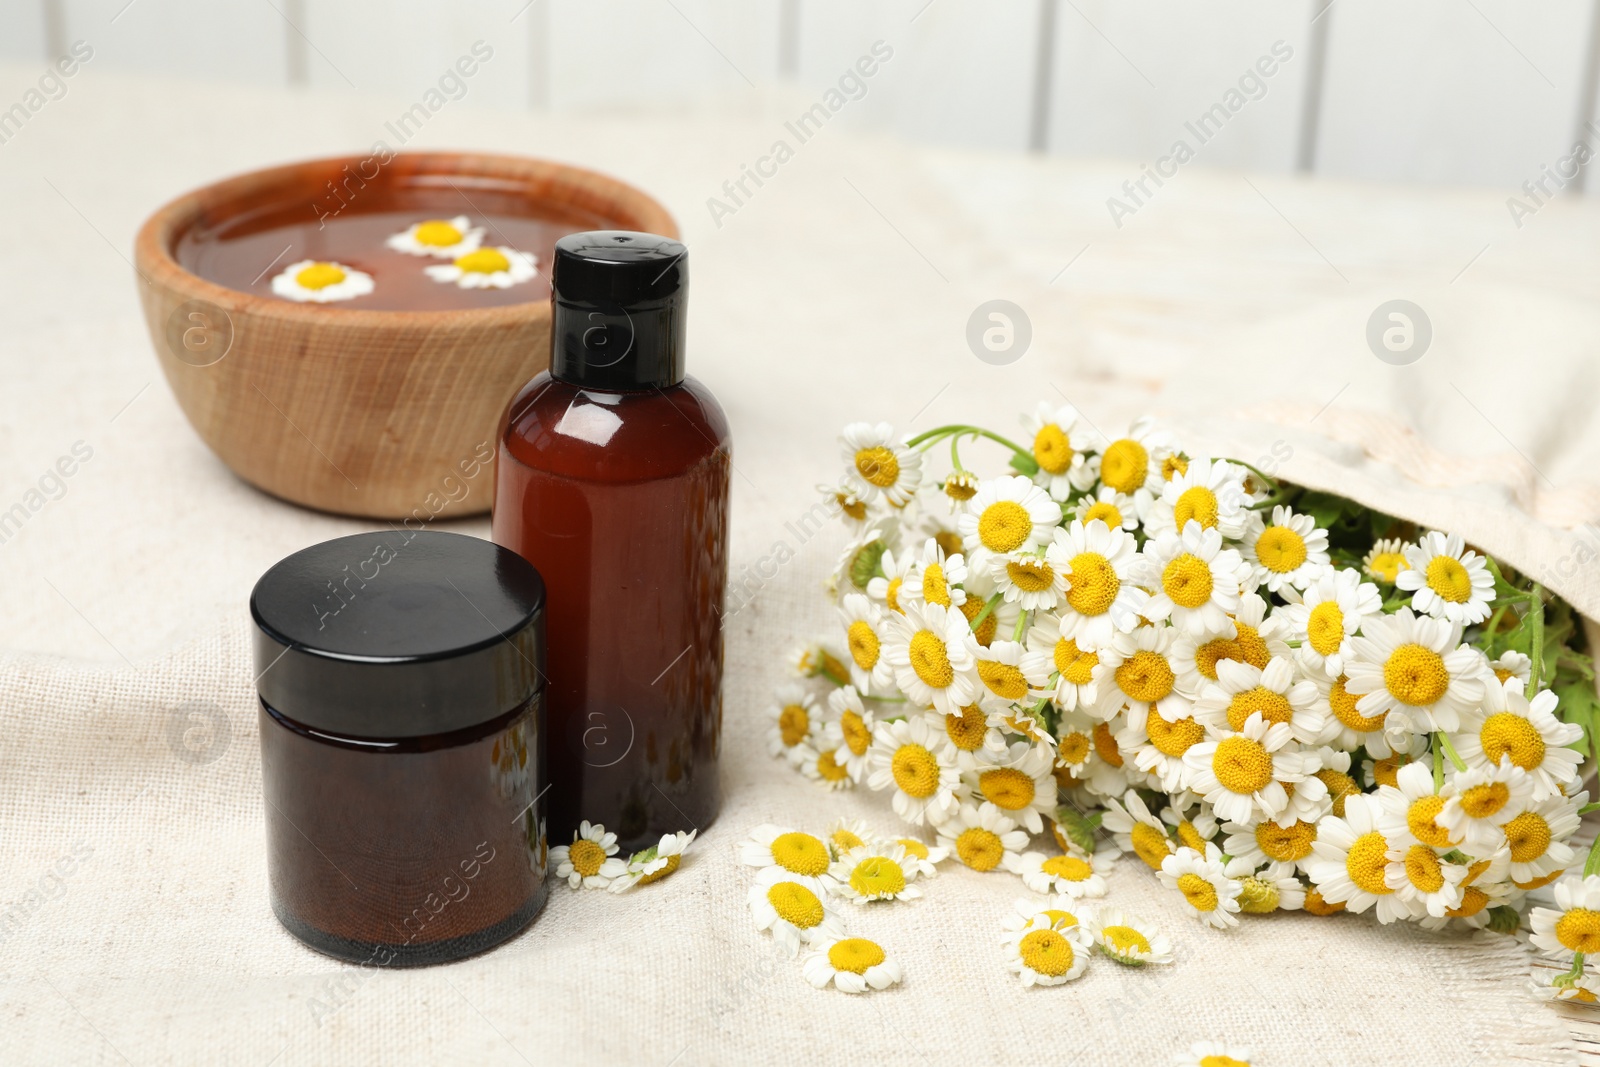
(1421, 878)
(846, 834)
(1574, 924)
(1447, 580)
(974, 735)
(1043, 954)
(861, 560)
(1007, 514)
(923, 857)
(590, 862)
(847, 503)
(1243, 775)
(1135, 671)
(794, 907)
(1101, 598)
(1482, 800)
(319, 282)
(1192, 824)
(1034, 581)
(1110, 507)
(1348, 729)
(1263, 895)
(1527, 733)
(934, 656)
(1127, 939)
(790, 850)
(656, 862)
(1070, 874)
(1276, 693)
(1410, 810)
(1511, 665)
(1136, 463)
(1351, 859)
(879, 466)
(1021, 784)
(1074, 741)
(983, 838)
(1537, 838)
(1000, 676)
(486, 268)
(1209, 492)
(1267, 849)
(1156, 746)
(794, 721)
(1289, 552)
(1136, 830)
(913, 760)
(1058, 667)
(1385, 561)
(1214, 1054)
(885, 588)
(935, 578)
(851, 964)
(446, 238)
(864, 634)
(1328, 614)
(875, 872)
(1416, 667)
(822, 767)
(1584, 989)
(848, 734)
(1060, 443)
(1058, 910)
(1206, 888)
(1196, 580)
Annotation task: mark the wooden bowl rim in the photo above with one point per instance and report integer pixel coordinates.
(154, 259)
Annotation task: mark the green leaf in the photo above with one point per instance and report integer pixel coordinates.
(865, 567)
(1024, 464)
(1078, 827)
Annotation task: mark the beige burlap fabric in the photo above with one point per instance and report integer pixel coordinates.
(131, 840)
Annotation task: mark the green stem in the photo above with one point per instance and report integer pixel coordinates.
(1592, 864)
(830, 676)
(955, 456)
(1536, 640)
(1263, 475)
(1021, 627)
(1438, 764)
(1450, 750)
(988, 606)
(939, 432)
(1587, 808)
(1575, 973)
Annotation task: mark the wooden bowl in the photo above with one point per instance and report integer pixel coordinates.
(383, 414)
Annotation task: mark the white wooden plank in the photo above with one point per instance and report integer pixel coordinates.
(1445, 91)
(196, 39)
(22, 34)
(615, 54)
(1132, 78)
(407, 48)
(961, 72)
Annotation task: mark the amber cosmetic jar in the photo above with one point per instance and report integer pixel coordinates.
(402, 745)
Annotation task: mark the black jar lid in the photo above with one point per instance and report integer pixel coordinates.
(398, 633)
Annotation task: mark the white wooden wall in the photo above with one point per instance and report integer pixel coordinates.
(1444, 91)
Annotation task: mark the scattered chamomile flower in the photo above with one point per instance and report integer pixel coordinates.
(1032, 580)
(1058, 910)
(1071, 874)
(884, 588)
(1021, 784)
(655, 863)
(1263, 895)
(317, 282)
(1191, 830)
(983, 838)
(1275, 692)
(1157, 746)
(486, 268)
(1126, 939)
(1574, 924)
(1421, 879)
(1138, 831)
(1136, 462)
(795, 908)
(1290, 552)
(590, 862)
(823, 767)
(1410, 810)
(1583, 989)
(864, 636)
(792, 850)
(908, 757)
(923, 857)
(875, 872)
(1214, 1054)
(974, 736)
(1206, 888)
(1447, 580)
(848, 734)
(1537, 837)
(877, 465)
(846, 834)
(1042, 954)
(851, 964)
(861, 560)
(1135, 670)
(794, 721)
(1001, 678)
(446, 238)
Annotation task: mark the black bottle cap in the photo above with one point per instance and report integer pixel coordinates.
(398, 633)
(618, 309)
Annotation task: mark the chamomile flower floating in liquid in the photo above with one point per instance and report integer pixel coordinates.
(486, 268)
(312, 281)
(445, 238)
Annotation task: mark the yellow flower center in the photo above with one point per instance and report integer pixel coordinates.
(1386, 771)
(1274, 707)
(586, 857)
(1528, 835)
(1340, 786)
(1473, 900)
(1209, 654)
(484, 261)
(319, 276)
(1004, 526)
(916, 772)
(1365, 863)
(1285, 844)
(855, 954)
(987, 628)
(844, 840)
(1007, 787)
(1187, 581)
(930, 660)
(1198, 504)
(959, 489)
(1280, 549)
(980, 849)
(1252, 648)
(1105, 511)
(1067, 868)
(913, 847)
(968, 729)
(830, 769)
(1073, 749)
(800, 853)
(1423, 870)
(1386, 566)
(1539, 883)
(436, 233)
(1052, 450)
(1172, 738)
(1578, 930)
(1447, 577)
(935, 589)
(878, 466)
(1124, 465)
(1092, 584)
(1150, 844)
(1484, 801)
(856, 735)
(1105, 746)
(1225, 1061)
(1343, 703)
(1421, 820)
(661, 872)
(1030, 575)
(1325, 628)
(1125, 940)
(1046, 952)
(795, 904)
(1257, 896)
(1173, 466)
(1506, 734)
(851, 506)
(1003, 679)
(891, 595)
(1242, 765)
(1201, 894)
(1145, 676)
(877, 876)
(1415, 676)
(1075, 665)
(863, 643)
(793, 724)
(1316, 905)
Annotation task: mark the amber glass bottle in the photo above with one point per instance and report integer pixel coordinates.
(612, 479)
